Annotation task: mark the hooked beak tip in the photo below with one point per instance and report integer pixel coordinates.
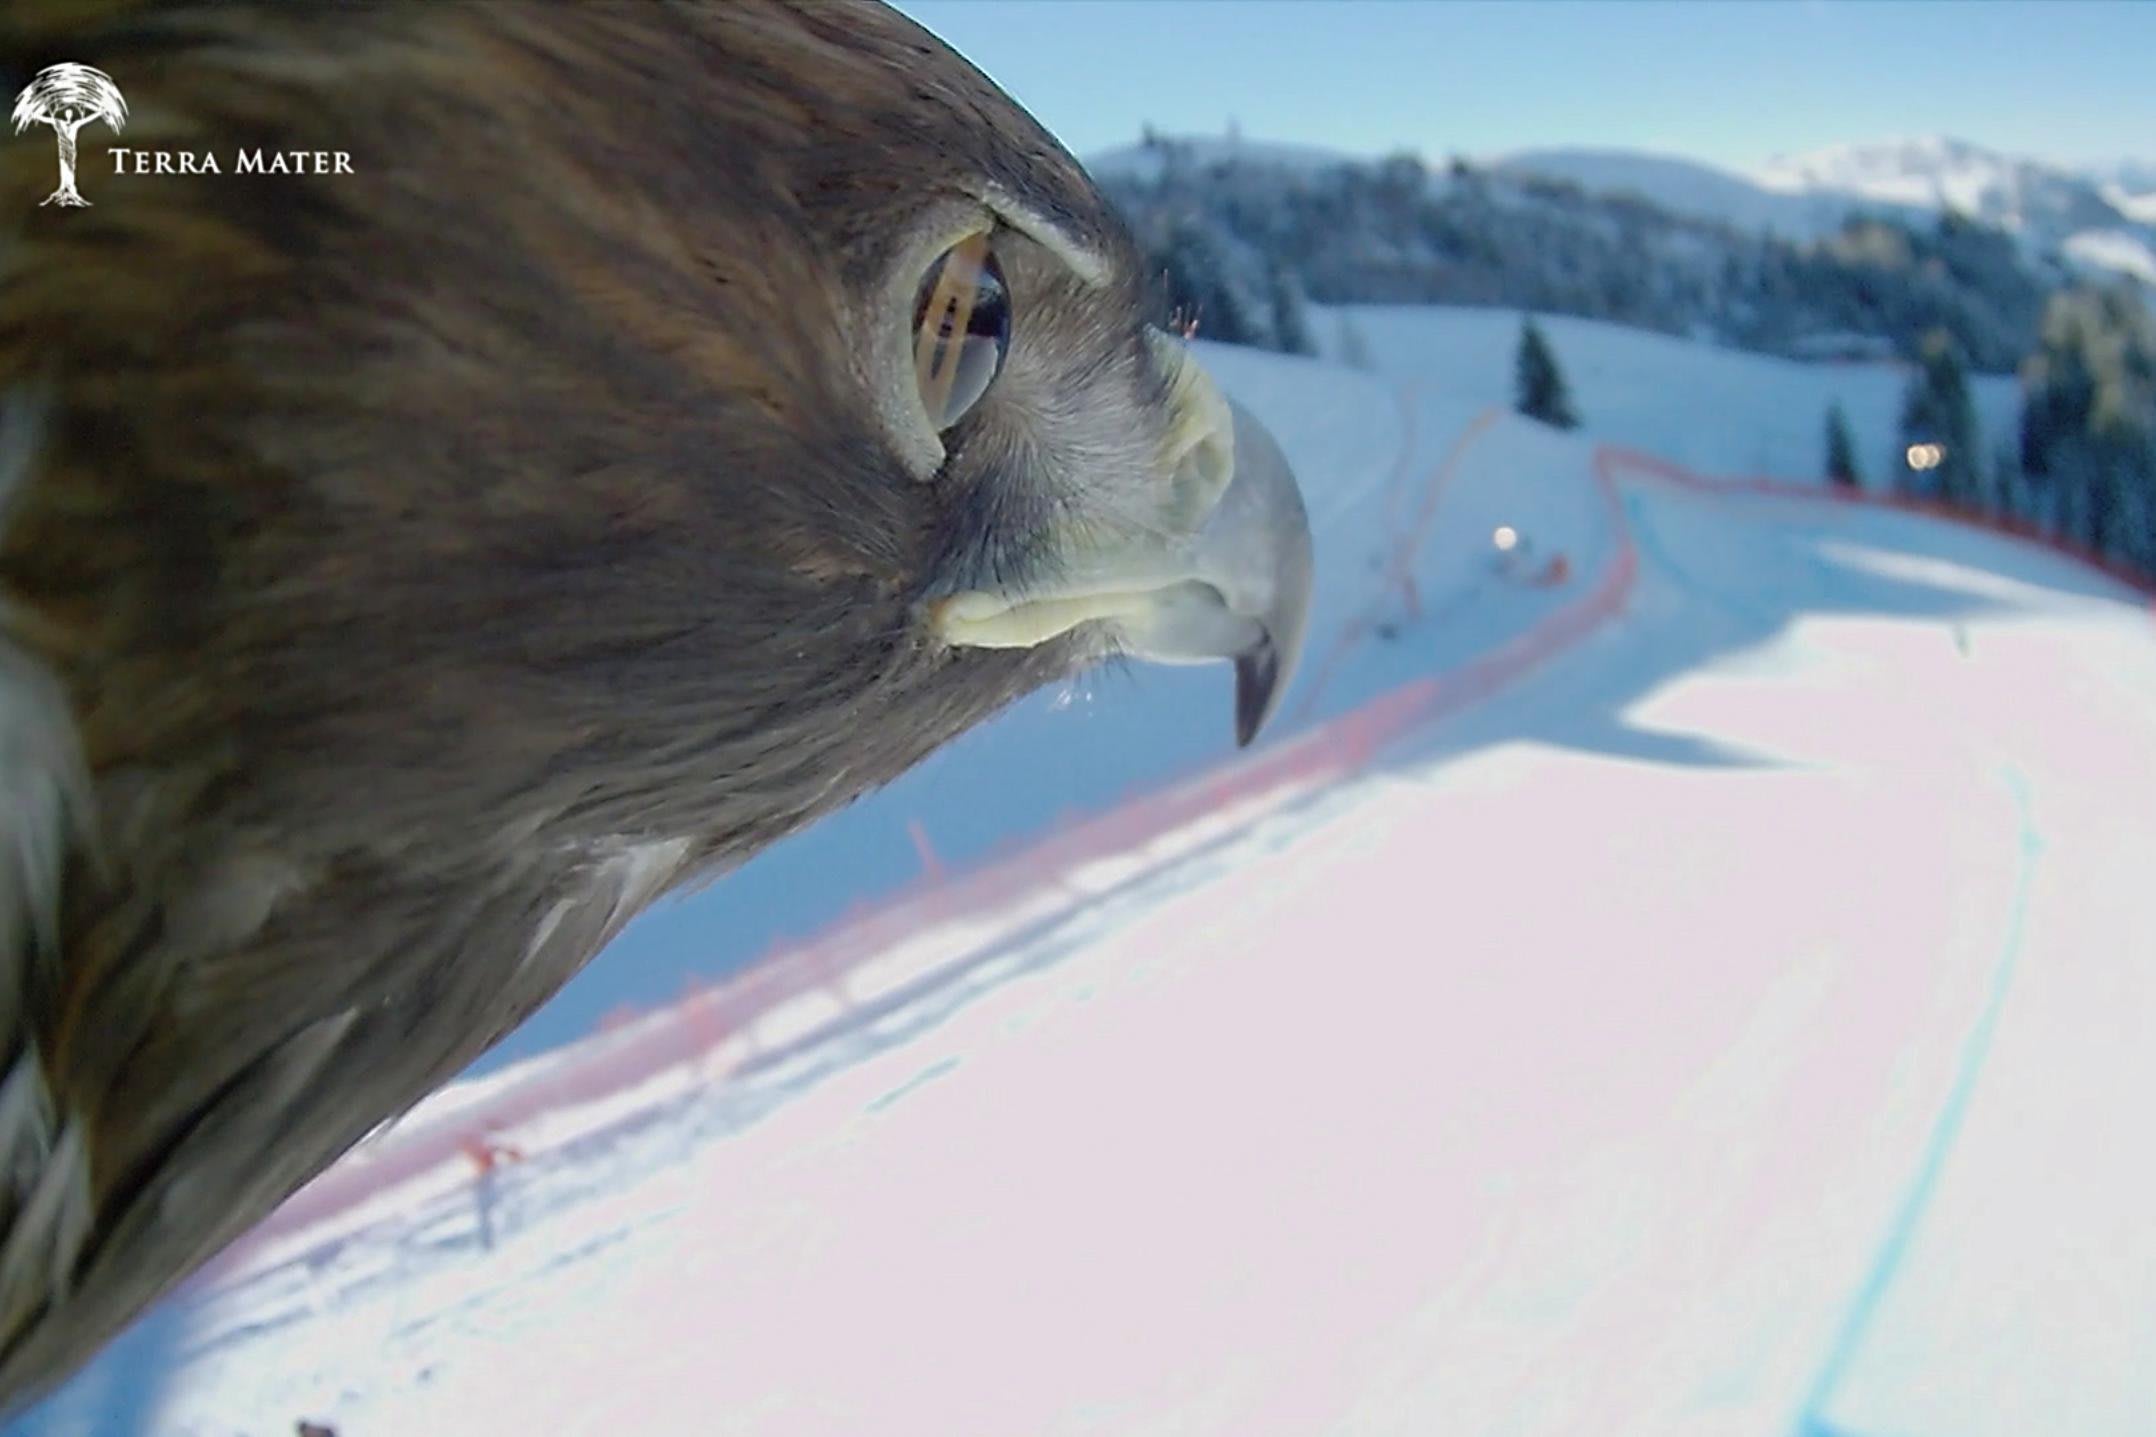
(1279, 531)
(1258, 690)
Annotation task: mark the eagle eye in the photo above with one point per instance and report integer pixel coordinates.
(961, 329)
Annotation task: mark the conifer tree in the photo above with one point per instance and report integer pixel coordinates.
(1841, 449)
(1938, 425)
(1291, 322)
(1201, 290)
(1538, 387)
(2088, 424)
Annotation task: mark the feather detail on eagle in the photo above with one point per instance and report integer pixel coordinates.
(680, 420)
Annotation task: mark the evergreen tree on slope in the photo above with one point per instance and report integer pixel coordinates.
(1841, 449)
(1538, 385)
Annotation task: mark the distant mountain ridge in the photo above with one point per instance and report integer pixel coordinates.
(2097, 224)
(1697, 189)
(1934, 252)
(1240, 233)
(1937, 172)
(2130, 186)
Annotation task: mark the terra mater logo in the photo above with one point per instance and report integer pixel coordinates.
(67, 97)
(70, 96)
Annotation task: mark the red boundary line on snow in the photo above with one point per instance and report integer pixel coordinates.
(1334, 749)
(1400, 563)
(1655, 467)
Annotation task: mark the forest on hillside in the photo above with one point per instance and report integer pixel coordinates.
(1240, 246)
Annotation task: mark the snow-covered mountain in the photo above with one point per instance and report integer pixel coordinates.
(1238, 230)
(1696, 189)
(1936, 173)
(2102, 218)
(2050, 208)
(2130, 186)
(2096, 222)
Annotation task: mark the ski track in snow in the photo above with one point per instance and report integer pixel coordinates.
(1709, 1030)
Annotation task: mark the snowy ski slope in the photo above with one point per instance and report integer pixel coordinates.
(1700, 987)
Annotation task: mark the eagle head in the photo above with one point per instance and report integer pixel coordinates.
(675, 421)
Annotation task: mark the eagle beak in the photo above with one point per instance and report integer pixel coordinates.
(1224, 573)
(1247, 593)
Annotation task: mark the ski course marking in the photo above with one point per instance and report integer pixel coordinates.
(1399, 566)
(1305, 762)
(1329, 751)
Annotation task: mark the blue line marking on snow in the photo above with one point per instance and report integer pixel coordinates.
(1811, 1419)
(918, 1081)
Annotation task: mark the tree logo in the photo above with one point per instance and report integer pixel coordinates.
(67, 97)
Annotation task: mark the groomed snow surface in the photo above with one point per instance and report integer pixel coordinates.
(1737, 1020)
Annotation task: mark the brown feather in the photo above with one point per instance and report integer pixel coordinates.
(405, 543)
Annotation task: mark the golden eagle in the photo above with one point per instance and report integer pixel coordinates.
(680, 419)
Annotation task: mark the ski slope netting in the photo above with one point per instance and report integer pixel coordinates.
(1724, 1020)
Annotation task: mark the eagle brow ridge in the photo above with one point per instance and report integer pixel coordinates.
(1087, 263)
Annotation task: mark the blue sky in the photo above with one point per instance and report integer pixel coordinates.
(1733, 83)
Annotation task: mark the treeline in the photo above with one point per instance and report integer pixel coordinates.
(1240, 244)
(2085, 465)
(2084, 468)
(2088, 425)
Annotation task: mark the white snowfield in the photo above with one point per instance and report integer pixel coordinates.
(1740, 1019)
